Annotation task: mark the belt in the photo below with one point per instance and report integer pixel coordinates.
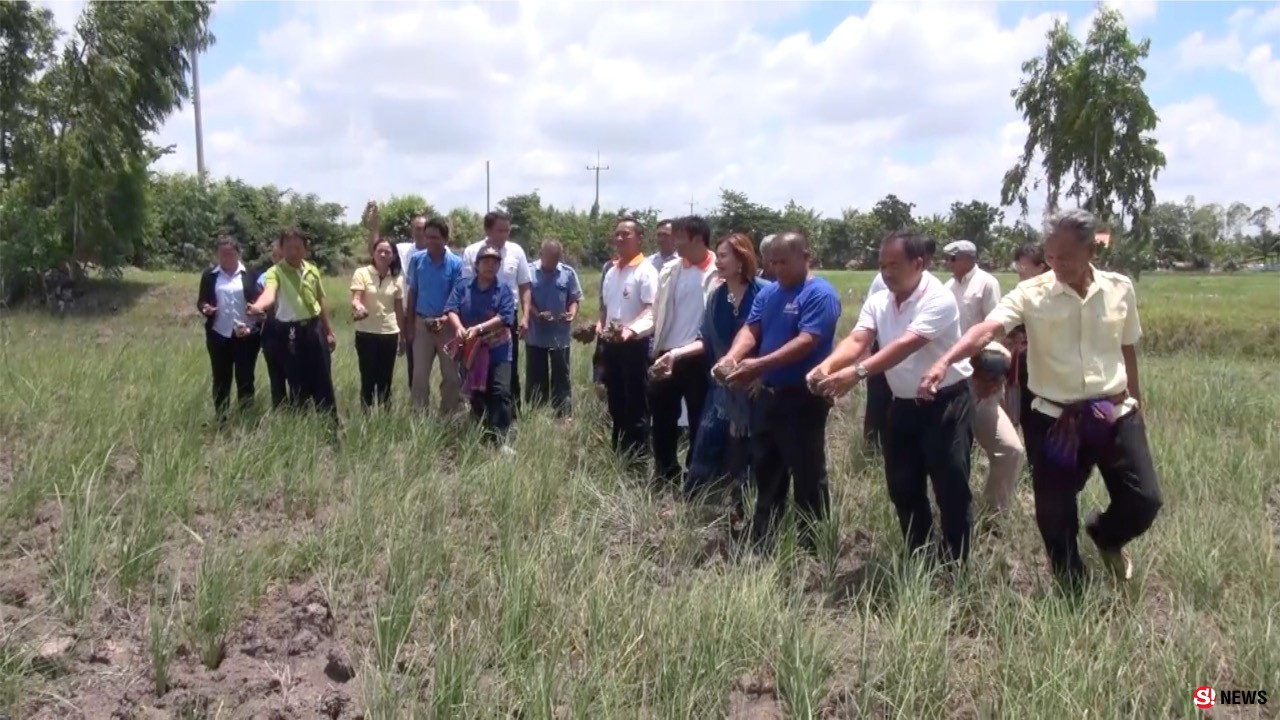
(1116, 399)
(298, 323)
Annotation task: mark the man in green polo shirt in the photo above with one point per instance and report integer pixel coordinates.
(306, 336)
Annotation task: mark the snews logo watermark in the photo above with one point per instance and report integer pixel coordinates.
(1206, 697)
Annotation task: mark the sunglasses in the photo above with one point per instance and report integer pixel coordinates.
(952, 258)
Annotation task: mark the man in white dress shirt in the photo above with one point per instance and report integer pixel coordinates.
(514, 274)
(666, 245)
(626, 320)
(977, 293)
(914, 323)
(680, 384)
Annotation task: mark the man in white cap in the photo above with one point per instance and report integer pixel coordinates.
(977, 292)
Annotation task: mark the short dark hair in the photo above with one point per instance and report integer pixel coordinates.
(1032, 251)
(628, 217)
(693, 226)
(492, 217)
(227, 241)
(665, 221)
(991, 364)
(930, 247)
(442, 226)
(293, 232)
(915, 244)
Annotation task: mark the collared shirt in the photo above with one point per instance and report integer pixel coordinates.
(627, 289)
(877, 284)
(405, 250)
(930, 312)
(976, 294)
(231, 303)
(512, 272)
(658, 260)
(552, 292)
(1073, 343)
(380, 296)
(432, 281)
(783, 313)
(298, 291)
(475, 305)
(683, 289)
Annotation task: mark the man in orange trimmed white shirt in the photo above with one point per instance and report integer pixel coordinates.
(626, 318)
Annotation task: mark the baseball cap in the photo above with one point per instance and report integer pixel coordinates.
(488, 252)
(961, 247)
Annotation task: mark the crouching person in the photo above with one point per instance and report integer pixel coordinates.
(481, 313)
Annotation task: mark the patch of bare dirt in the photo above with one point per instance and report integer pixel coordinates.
(284, 661)
(755, 697)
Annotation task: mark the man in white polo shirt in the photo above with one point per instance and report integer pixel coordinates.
(977, 292)
(683, 289)
(876, 414)
(914, 322)
(513, 274)
(626, 319)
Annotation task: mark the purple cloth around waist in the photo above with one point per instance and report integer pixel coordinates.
(476, 372)
(1088, 424)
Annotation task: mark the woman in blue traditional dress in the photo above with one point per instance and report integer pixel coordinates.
(721, 451)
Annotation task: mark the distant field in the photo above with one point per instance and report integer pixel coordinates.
(151, 567)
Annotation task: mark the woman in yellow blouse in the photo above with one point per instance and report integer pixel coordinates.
(377, 304)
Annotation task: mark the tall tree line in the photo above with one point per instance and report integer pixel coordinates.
(76, 118)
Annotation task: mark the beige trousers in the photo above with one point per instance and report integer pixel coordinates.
(428, 346)
(998, 436)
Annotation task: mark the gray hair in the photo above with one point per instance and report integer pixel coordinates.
(766, 242)
(1079, 222)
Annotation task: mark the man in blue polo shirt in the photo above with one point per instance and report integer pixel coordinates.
(555, 295)
(790, 329)
(430, 280)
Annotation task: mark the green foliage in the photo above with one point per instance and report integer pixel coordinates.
(1090, 120)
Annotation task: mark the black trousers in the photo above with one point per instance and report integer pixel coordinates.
(233, 357)
(308, 367)
(876, 417)
(690, 379)
(376, 356)
(492, 407)
(1128, 472)
(547, 374)
(626, 367)
(789, 447)
(932, 441)
(272, 352)
(515, 363)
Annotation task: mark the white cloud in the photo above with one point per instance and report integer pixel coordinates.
(353, 101)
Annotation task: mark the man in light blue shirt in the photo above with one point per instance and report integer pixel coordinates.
(555, 294)
(430, 279)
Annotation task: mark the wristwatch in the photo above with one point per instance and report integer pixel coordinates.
(860, 371)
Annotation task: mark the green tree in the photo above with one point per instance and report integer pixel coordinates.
(893, 213)
(395, 216)
(1091, 120)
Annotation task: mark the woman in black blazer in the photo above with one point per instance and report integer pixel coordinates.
(233, 340)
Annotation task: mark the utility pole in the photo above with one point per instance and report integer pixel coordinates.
(195, 103)
(691, 204)
(487, 206)
(595, 207)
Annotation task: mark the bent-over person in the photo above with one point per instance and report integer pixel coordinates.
(1082, 330)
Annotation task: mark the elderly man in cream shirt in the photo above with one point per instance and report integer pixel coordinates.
(977, 292)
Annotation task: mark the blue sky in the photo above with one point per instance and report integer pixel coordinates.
(832, 104)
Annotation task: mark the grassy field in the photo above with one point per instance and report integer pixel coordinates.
(153, 567)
